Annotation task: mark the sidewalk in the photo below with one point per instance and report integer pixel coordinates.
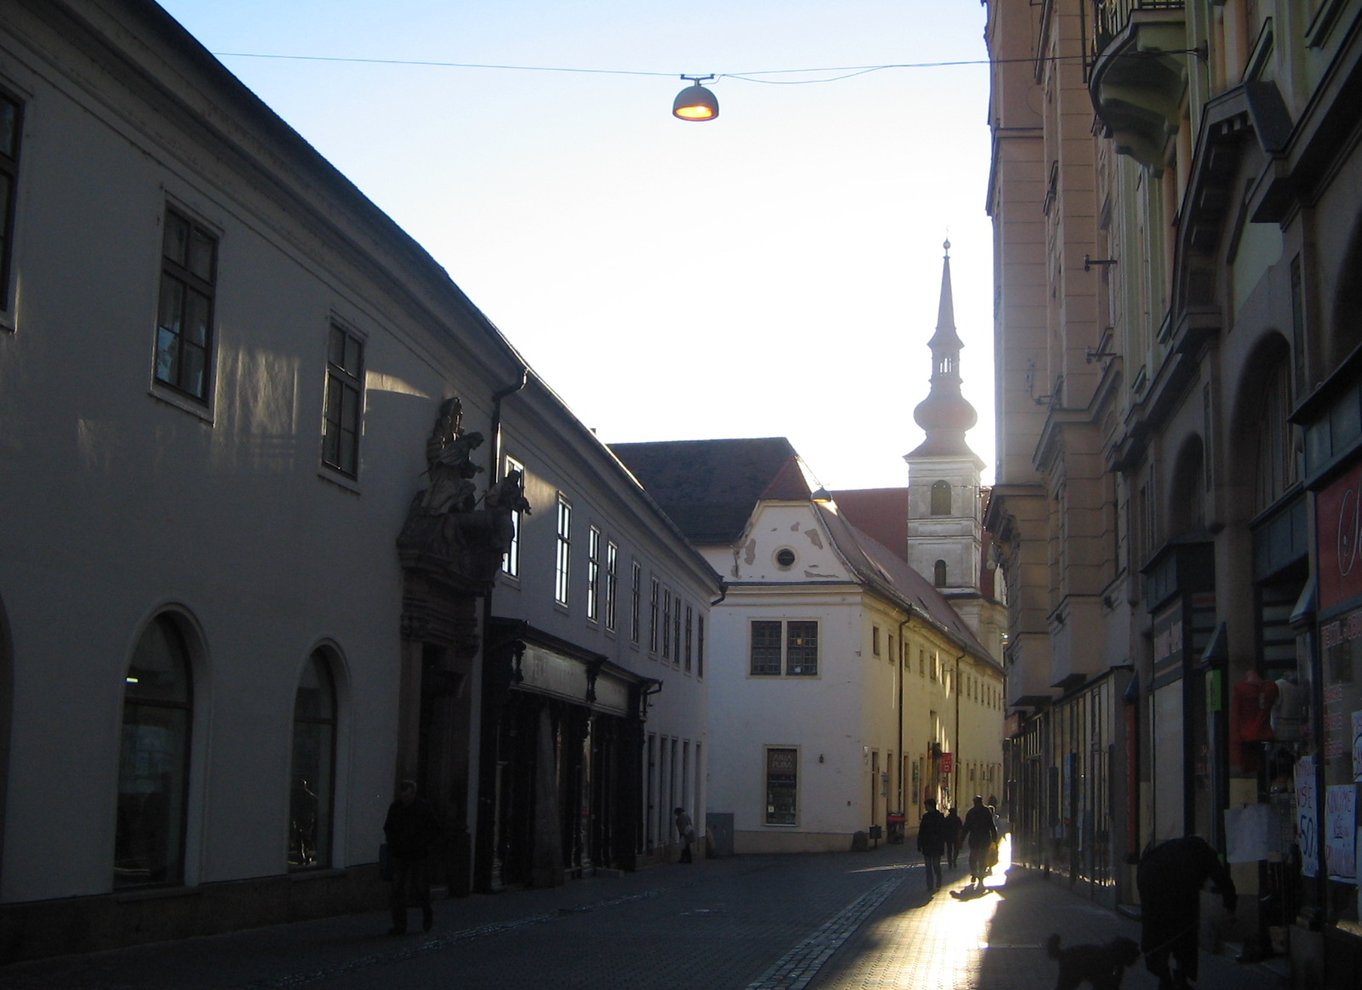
(830, 921)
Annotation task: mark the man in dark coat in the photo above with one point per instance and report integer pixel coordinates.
(1170, 878)
(931, 842)
(411, 827)
(955, 833)
(981, 832)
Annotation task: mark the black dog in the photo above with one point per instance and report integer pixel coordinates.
(1101, 965)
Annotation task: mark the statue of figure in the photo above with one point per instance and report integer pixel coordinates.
(508, 494)
(449, 458)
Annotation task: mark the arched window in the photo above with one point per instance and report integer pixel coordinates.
(153, 760)
(941, 498)
(939, 574)
(312, 774)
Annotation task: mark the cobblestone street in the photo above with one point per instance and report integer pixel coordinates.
(827, 922)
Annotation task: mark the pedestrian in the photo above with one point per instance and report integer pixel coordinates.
(955, 831)
(1170, 877)
(411, 828)
(686, 830)
(931, 842)
(982, 835)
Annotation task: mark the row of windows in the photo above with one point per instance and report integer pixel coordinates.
(676, 632)
(153, 762)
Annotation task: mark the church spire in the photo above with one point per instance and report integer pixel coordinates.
(945, 415)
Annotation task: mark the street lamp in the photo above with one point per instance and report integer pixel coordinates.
(695, 102)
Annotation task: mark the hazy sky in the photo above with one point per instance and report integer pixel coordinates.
(774, 272)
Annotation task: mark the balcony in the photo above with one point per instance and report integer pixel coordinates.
(1137, 73)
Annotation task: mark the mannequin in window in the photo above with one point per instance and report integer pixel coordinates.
(1288, 715)
(1251, 702)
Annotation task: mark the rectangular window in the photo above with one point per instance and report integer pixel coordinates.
(875, 640)
(782, 786)
(766, 637)
(11, 126)
(184, 321)
(344, 401)
(699, 646)
(510, 562)
(593, 573)
(563, 558)
(801, 649)
(635, 603)
(690, 620)
(667, 624)
(676, 632)
(652, 616)
(612, 553)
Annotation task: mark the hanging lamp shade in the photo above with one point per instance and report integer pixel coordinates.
(695, 102)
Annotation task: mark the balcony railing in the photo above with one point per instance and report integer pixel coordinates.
(1109, 17)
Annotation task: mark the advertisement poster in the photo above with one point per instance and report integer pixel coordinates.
(1248, 832)
(1307, 831)
(1340, 819)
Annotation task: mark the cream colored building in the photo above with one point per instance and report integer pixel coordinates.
(1176, 205)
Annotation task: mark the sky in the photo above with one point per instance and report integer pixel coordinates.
(773, 272)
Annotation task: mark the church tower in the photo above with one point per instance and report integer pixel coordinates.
(944, 499)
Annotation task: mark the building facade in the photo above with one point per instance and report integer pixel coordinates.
(1176, 214)
(286, 520)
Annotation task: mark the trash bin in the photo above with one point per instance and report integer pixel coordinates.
(895, 819)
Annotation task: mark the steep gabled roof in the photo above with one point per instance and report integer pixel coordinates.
(709, 487)
(880, 512)
(889, 574)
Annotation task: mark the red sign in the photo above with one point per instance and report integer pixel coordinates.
(947, 762)
(1338, 516)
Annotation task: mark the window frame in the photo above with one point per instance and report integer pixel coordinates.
(9, 197)
(510, 560)
(325, 817)
(179, 272)
(345, 381)
(770, 817)
(612, 552)
(636, 603)
(666, 623)
(562, 572)
(593, 573)
(654, 601)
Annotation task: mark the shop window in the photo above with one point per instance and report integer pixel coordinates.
(153, 760)
(313, 767)
(782, 786)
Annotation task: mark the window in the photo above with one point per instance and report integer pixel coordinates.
(563, 559)
(653, 594)
(794, 642)
(699, 646)
(313, 770)
(184, 336)
(612, 553)
(939, 574)
(782, 786)
(153, 760)
(344, 401)
(593, 573)
(635, 594)
(801, 649)
(667, 624)
(510, 562)
(676, 632)
(875, 640)
(690, 619)
(941, 498)
(11, 125)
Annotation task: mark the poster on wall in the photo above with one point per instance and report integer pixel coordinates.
(1340, 819)
(1357, 746)
(1248, 833)
(1307, 832)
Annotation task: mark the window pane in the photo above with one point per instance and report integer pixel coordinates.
(314, 728)
(159, 672)
(9, 127)
(765, 648)
(781, 786)
(802, 648)
(167, 356)
(201, 255)
(315, 697)
(172, 305)
(196, 319)
(175, 244)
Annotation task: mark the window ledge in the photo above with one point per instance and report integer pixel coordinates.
(181, 402)
(305, 873)
(131, 895)
(343, 482)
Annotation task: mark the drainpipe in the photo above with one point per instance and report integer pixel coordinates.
(956, 688)
(903, 654)
(483, 810)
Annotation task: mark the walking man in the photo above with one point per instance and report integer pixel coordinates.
(410, 828)
(1170, 877)
(981, 833)
(686, 830)
(955, 830)
(931, 842)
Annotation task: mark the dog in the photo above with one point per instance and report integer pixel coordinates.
(1103, 966)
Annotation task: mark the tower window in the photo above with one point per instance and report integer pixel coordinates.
(941, 498)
